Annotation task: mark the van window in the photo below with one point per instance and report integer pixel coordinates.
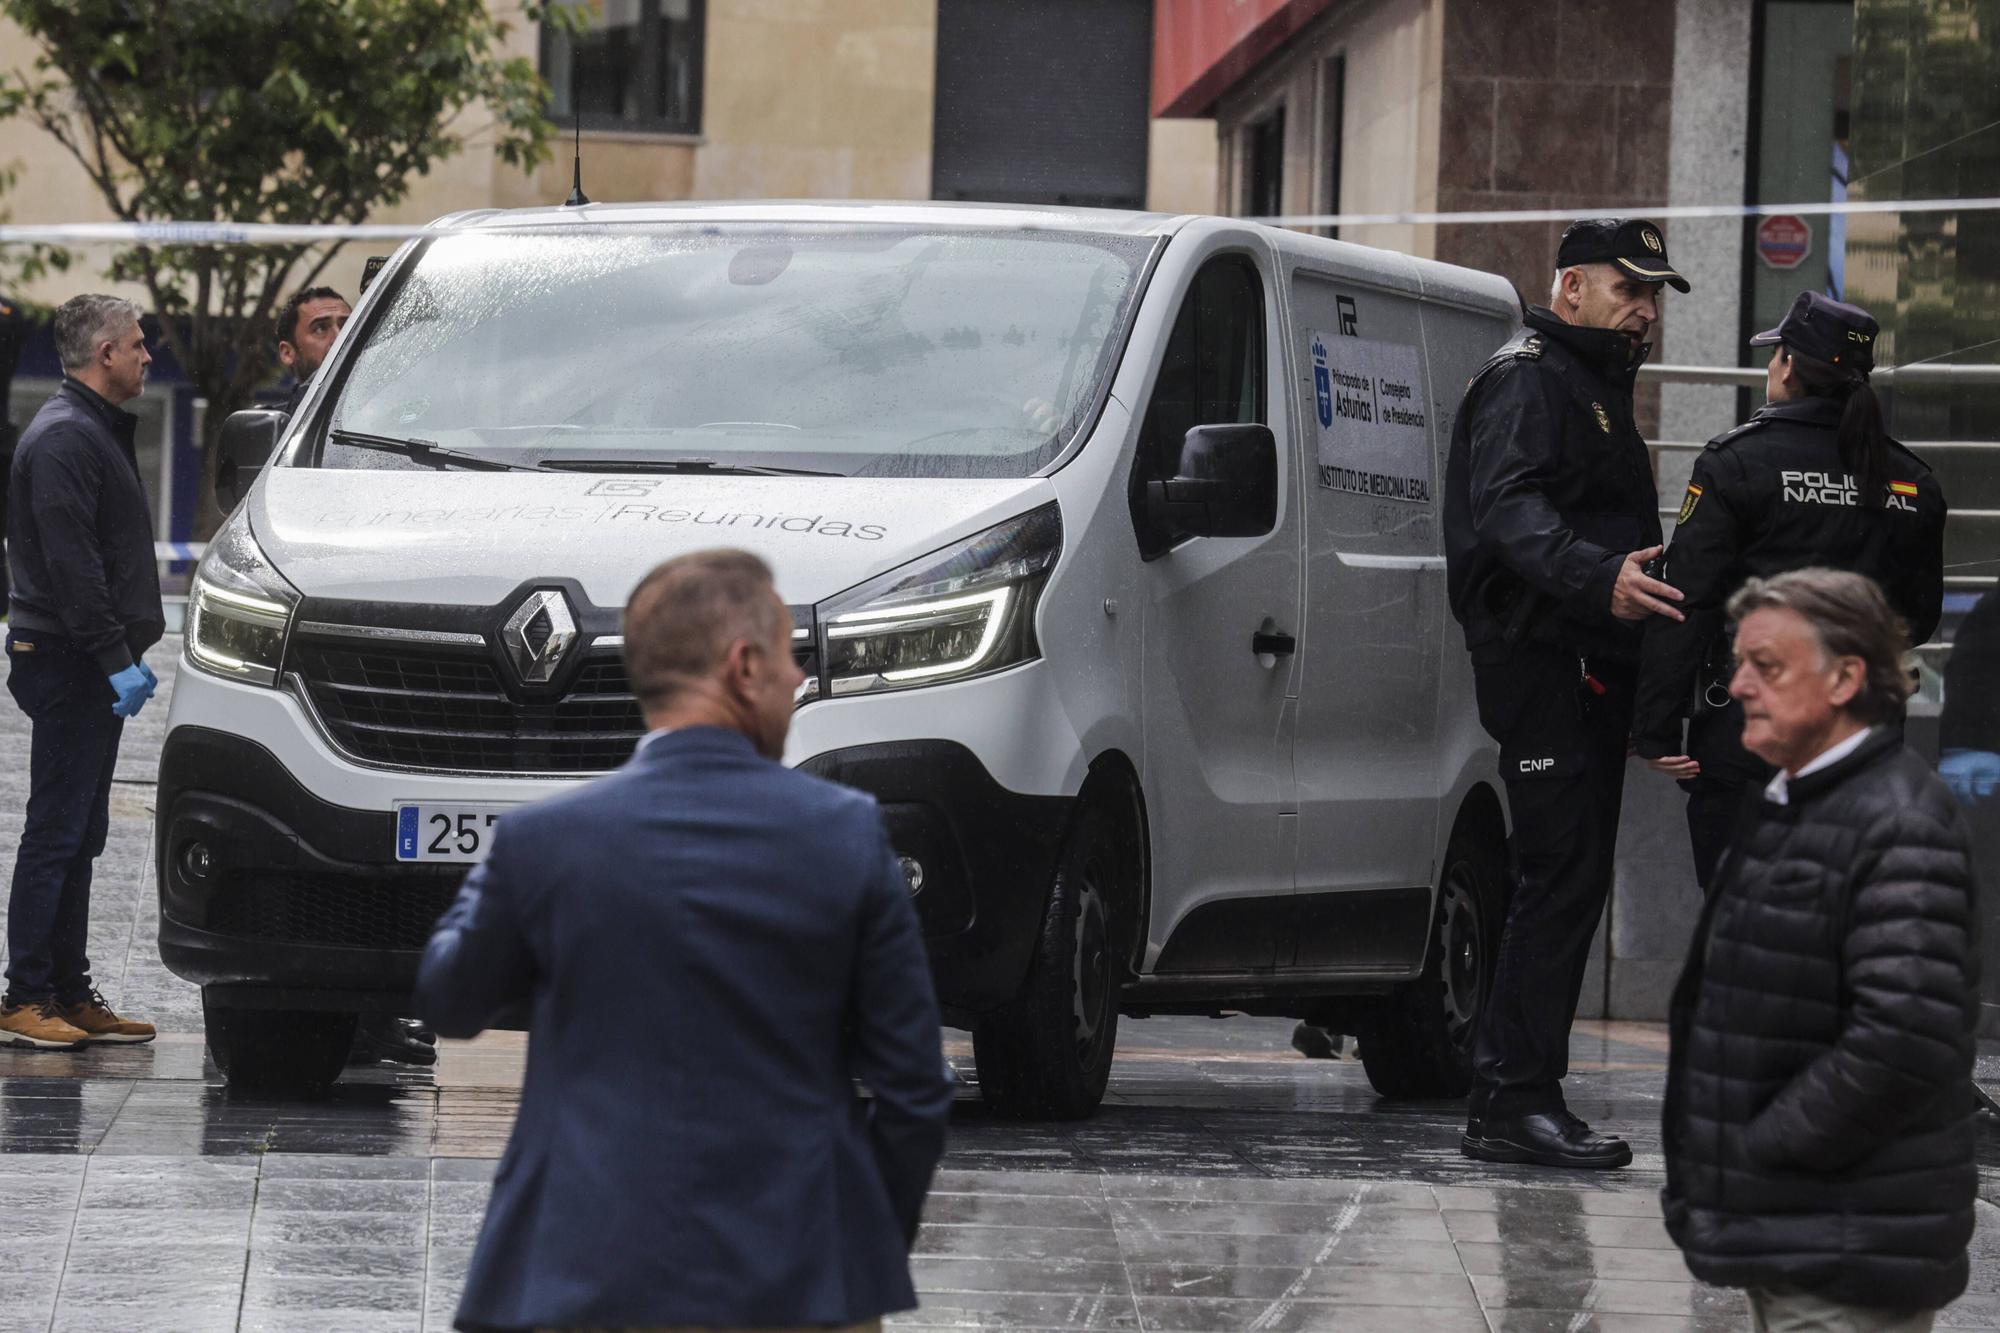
(1212, 374)
(849, 350)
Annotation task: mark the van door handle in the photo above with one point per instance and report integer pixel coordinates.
(1273, 644)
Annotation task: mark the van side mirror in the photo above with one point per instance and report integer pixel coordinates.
(248, 440)
(1225, 485)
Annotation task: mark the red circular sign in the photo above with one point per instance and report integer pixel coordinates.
(1784, 240)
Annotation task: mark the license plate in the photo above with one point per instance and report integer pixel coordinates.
(429, 832)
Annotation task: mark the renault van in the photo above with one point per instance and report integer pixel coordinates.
(1112, 547)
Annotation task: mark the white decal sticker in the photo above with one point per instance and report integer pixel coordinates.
(1369, 400)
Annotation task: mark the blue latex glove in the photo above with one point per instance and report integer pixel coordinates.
(1973, 775)
(132, 691)
(152, 681)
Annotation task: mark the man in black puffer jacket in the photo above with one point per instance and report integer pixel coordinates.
(1818, 1124)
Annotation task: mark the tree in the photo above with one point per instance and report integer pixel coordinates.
(288, 111)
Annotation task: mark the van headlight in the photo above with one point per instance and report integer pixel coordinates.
(964, 611)
(239, 608)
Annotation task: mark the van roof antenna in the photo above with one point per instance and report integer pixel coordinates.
(577, 198)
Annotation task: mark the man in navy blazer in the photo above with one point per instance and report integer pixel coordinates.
(714, 949)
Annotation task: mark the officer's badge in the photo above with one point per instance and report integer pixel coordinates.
(1688, 503)
(1603, 417)
(1651, 238)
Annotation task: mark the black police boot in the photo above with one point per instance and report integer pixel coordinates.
(1316, 1043)
(1546, 1138)
(382, 1039)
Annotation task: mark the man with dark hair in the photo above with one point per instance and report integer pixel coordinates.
(1550, 516)
(85, 607)
(308, 323)
(1818, 1124)
(713, 949)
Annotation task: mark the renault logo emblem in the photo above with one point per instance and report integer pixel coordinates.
(538, 634)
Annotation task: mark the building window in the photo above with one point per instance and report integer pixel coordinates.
(1264, 167)
(634, 65)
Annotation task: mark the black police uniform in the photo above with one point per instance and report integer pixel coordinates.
(1769, 496)
(1548, 487)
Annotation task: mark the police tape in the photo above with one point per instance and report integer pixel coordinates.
(276, 233)
(1663, 213)
(164, 551)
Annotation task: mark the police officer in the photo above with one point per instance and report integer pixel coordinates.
(1550, 517)
(1812, 479)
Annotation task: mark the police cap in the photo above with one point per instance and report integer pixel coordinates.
(1633, 244)
(1826, 330)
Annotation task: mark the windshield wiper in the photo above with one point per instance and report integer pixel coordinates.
(424, 451)
(697, 466)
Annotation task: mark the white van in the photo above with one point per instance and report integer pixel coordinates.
(1112, 542)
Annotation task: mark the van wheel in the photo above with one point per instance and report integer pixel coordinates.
(1418, 1041)
(283, 1052)
(1046, 1054)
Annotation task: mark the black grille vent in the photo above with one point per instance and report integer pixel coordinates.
(397, 912)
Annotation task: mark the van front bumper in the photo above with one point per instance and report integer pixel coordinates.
(295, 901)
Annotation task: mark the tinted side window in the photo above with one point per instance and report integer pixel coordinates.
(1212, 374)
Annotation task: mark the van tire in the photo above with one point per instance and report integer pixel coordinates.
(1418, 1041)
(1046, 1054)
(282, 1052)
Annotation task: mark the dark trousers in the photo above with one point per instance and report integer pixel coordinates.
(1715, 799)
(1562, 754)
(70, 761)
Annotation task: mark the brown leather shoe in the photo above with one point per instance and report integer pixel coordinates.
(97, 1023)
(40, 1025)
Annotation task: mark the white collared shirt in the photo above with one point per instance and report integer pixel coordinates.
(650, 737)
(1778, 792)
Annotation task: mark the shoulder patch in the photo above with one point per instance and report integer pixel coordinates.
(1688, 502)
(1736, 433)
(1530, 348)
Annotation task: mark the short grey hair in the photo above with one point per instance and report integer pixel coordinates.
(84, 322)
(1851, 618)
(683, 617)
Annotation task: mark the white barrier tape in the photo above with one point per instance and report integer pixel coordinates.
(273, 233)
(178, 550)
(1665, 213)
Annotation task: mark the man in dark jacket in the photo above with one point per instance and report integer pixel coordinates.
(714, 949)
(1818, 1123)
(1772, 495)
(308, 323)
(1550, 516)
(85, 606)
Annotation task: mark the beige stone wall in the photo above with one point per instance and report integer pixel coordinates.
(802, 99)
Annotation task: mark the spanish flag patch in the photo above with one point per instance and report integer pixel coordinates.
(1689, 502)
(1908, 488)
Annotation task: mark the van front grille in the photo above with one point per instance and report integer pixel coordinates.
(416, 706)
(442, 707)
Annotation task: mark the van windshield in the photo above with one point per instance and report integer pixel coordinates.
(854, 351)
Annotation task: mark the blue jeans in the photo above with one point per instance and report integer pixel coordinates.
(70, 761)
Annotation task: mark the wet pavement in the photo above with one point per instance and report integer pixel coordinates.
(1227, 1184)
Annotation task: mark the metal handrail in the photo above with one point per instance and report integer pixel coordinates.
(1923, 372)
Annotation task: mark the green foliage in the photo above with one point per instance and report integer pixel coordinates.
(288, 111)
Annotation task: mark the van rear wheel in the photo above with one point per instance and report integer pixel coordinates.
(1418, 1041)
(1046, 1054)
